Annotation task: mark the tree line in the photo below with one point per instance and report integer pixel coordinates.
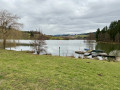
(109, 34)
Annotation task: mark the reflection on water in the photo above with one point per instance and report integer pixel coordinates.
(67, 47)
(107, 47)
(90, 44)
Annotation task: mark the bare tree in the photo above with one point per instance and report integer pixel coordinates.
(8, 23)
(39, 43)
(117, 37)
(106, 37)
(90, 38)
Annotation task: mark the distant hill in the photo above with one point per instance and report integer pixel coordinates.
(57, 35)
(32, 34)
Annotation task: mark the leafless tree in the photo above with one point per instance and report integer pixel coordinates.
(117, 37)
(90, 38)
(100, 37)
(107, 37)
(39, 43)
(8, 23)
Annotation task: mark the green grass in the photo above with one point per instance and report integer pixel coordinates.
(81, 36)
(56, 38)
(22, 71)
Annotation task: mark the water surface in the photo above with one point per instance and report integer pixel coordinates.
(67, 47)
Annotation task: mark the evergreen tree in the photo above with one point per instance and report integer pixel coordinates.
(97, 33)
(109, 34)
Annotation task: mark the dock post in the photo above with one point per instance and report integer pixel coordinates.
(59, 50)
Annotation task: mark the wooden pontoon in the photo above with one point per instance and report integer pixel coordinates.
(79, 52)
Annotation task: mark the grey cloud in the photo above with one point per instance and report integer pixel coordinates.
(64, 16)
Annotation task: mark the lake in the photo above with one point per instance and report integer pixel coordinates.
(67, 47)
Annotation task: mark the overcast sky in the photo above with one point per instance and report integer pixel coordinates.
(64, 16)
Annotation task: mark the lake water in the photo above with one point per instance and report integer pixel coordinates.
(67, 47)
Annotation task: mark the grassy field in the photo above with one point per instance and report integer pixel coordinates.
(22, 71)
(81, 36)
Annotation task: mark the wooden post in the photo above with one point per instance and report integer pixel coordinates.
(59, 50)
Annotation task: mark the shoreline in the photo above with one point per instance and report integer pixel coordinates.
(108, 42)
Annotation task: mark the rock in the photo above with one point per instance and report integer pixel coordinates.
(100, 75)
(118, 59)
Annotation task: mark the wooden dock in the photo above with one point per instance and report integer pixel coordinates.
(97, 54)
(79, 52)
